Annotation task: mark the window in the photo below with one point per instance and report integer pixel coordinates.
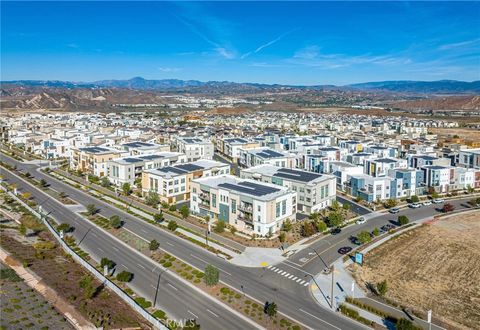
(278, 209)
(234, 206)
(194, 190)
(259, 208)
(284, 207)
(214, 200)
(194, 198)
(183, 180)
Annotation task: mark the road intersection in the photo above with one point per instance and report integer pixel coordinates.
(285, 283)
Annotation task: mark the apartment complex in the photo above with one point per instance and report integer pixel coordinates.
(172, 183)
(264, 155)
(314, 191)
(250, 206)
(128, 169)
(93, 160)
(195, 148)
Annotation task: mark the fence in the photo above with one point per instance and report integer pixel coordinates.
(112, 286)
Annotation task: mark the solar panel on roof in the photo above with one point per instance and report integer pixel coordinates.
(250, 188)
(132, 160)
(303, 176)
(172, 169)
(189, 167)
(150, 157)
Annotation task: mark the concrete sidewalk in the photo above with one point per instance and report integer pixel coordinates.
(258, 257)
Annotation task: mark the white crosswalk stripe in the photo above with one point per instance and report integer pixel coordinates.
(286, 274)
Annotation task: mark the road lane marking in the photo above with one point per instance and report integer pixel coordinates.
(194, 256)
(290, 276)
(170, 285)
(141, 266)
(269, 267)
(124, 266)
(298, 280)
(301, 310)
(212, 312)
(153, 286)
(282, 272)
(136, 235)
(195, 316)
(94, 235)
(143, 231)
(305, 284)
(115, 249)
(101, 250)
(168, 243)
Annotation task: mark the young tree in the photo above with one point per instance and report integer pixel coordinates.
(287, 225)
(115, 221)
(62, 195)
(43, 183)
(364, 237)
(414, 199)
(184, 211)
(154, 245)
(105, 182)
(65, 227)
(282, 237)
(382, 287)
(376, 232)
(271, 309)
(233, 230)
(22, 230)
(447, 207)
(308, 228)
(124, 276)
(91, 209)
(389, 203)
(335, 219)
(321, 226)
(158, 217)
(172, 225)
(219, 227)
(434, 194)
(212, 275)
(107, 262)
(404, 324)
(126, 189)
(335, 205)
(152, 198)
(403, 220)
(172, 208)
(346, 207)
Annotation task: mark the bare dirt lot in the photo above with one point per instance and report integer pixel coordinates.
(433, 267)
(468, 134)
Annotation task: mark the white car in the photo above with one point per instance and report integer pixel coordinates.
(360, 221)
(427, 203)
(415, 205)
(438, 201)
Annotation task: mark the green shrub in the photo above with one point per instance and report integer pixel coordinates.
(142, 302)
(124, 276)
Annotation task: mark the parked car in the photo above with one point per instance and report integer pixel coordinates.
(361, 221)
(427, 203)
(335, 231)
(415, 205)
(394, 210)
(438, 201)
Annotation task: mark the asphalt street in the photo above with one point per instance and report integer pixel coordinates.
(174, 296)
(293, 299)
(283, 283)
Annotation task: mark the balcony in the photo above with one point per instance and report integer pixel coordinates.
(246, 218)
(247, 208)
(204, 196)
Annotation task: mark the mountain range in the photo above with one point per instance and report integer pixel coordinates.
(396, 86)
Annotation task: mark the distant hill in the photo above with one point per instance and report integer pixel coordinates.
(401, 86)
(426, 87)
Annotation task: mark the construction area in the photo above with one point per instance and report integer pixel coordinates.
(433, 267)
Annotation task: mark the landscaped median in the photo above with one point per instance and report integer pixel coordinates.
(199, 278)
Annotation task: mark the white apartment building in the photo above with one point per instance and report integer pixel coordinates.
(250, 206)
(195, 148)
(143, 148)
(265, 155)
(314, 191)
(128, 169)
(172, 183)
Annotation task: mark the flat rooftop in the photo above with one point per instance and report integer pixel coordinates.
(180, 169)
(288, 174)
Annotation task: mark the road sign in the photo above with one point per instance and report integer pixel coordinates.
(359, 258)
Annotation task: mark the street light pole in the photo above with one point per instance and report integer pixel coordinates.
(331, 292)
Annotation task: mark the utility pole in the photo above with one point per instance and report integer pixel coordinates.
(331, 292)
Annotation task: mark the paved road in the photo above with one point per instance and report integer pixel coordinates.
(177, 299)
(290, 294)
(327, 247)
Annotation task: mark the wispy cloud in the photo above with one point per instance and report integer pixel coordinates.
(268, 44)
(460, 44)
(211, 29)
(73, 45)
(168, 69)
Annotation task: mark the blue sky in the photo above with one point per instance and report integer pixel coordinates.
(267, 42)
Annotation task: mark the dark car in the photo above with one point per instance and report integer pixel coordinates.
(354, 240)
(344, 250)
(335, 231)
